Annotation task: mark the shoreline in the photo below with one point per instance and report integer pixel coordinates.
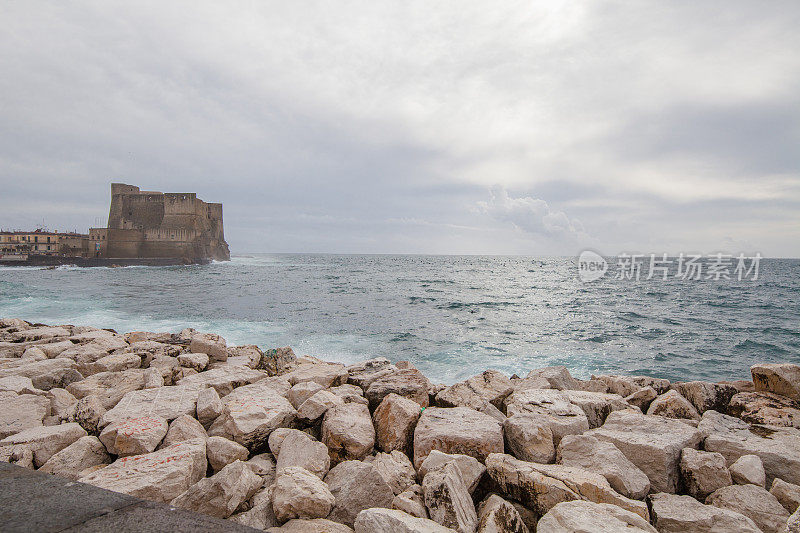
(184, 419)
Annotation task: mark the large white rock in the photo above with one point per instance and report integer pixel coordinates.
(88, 412)
(348, 432)
(411, 501)
(557, 376)
(84, 453)
(19, 385)
(356, 486)
(47, 374)
(787, 493)
(672, 405)
(448, 499)
(224, 379)
(195, 361)
(471, 469)
(23, 411)
(108, 387)
(167, 402)
(491, 386)
(213, 345)
(302, 392)
(551, 407)
(652, 443)
(601, 457)
(409, 383)
(300, 494)
(45, 441)
(395, 468)
(529, 437)
(220, 494)
(259, 515)
(317, 405)
(672, 513)
(300, 449)
(377, 520)
(209, 406)
(496, 515)
(780, 378)
(183, 428)
(457, 430)
(364, 373)
(159, 476)
(395, 420)
(703, 472)
(778, 448)
(754, 502)
(134, 436)
(704, 395)
(221, 452)
(597, 405)
(748, 469)
(111, 363)
(590, 517)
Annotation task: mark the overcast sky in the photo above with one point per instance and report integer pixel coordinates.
(414, 127)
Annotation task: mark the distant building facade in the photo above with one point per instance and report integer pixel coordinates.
(42, 242)
(150, 224)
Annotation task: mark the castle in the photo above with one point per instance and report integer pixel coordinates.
(155, 225)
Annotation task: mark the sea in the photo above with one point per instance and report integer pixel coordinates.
(451, 316)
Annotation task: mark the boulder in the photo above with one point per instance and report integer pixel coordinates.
(377, 520)
(471, 469)
(44, 441)
(263, 464)
(786, 493)
(321, 372)
(19, 385)
(704, 395)
(754, 502)
(315, 525)
(183, 428)
(596, 405)
(456, 430)
(642, 398)
(411, 384)
(496, 515)
(529, 437)
(221, 452)
(793, 524)
(302, 450)
(394, 421)
(652, 443)
(350, 393)
(209, 406)
(302, 392)
(224, 379)
(448, 500)
(108, 387)
(111, 363)
(84, 453)
(780, 378)
(703, 472)
(364, 373)
(88, 412)
(196, 361)
(220, 494)
(622, 385)
(300, 494)
(134, 436)
(672, 513)
(159, 476)
(251, 413)
(20, 412)
(557, 376)
(552, 407)
(259, 514)
(213, 345)
(586, 516)
(519, 480)
(765, 408)
(348, 432)
(166, 402)
(605, 459)
(672, 405)
(395, 468)
(748, 469)
(491, 386)
(47, 374)
(277, 361)
(778, 448)
(356, 486)
(411, 501)
(317, 405)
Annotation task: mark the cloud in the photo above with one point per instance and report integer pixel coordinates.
(531, 215)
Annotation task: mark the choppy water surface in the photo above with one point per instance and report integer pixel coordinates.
(451, 316)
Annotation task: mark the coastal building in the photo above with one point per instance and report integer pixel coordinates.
(42, 242)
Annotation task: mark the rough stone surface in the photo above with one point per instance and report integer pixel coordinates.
(585, 516)
(348, 432)
(88, 412)
(780, 378)
(754, 502)
(260, 514)
(213, 345)
(642, 398)
(300, 494)
(222, 452)
(48, 374)
(220, 494)
(196, 361)
(601, 457)
(448, 500)
(411, 501)
(395, 468)
(471, 469)
(356, 486)
(183, 428)
(778, 448)
(364, 373)
(703, 472)
(490, 386)
(224, 379)
(108, 387)
(457, 430)
(748, 469)
(496, 515)
(277, 361)
(395, 420)
(529, 438)
(317, 405)
(209, 406)
(557, 376)
(82, 454)
(704, 395)
(786, 493)
(166, 402)
(134, 436)
(159, 476)
(378, 520)
(302, 392)
(19, 412)
(552, 407)
(43, 442)
(596, 405)
(299, 449)
(321, 372)
(793, 524)
(652, 443)
(672, 513)
(672, 405)
(411, 384)
(765, 408)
